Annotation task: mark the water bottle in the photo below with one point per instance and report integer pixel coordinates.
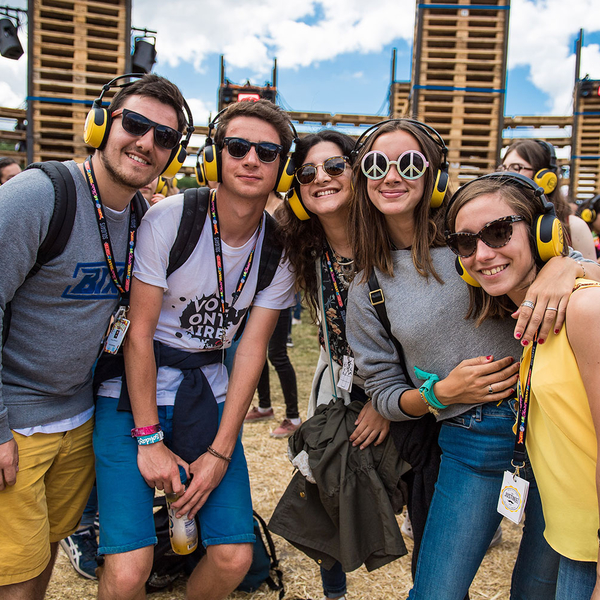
(183, 532)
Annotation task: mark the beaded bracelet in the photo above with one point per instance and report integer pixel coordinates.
(582, 268)
(431, 409)
(152, 438)
(137, 432)
(212, 451)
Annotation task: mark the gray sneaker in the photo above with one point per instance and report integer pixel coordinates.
(82, 548)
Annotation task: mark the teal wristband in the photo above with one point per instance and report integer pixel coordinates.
(152, 438)
(426, 389)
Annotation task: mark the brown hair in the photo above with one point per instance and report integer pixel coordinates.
(368, 228)
(538, 155)
(523, 202)
(261, 109)
(153, 86)
(303, 240)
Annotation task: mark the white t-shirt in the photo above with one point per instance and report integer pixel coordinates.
(191, 317)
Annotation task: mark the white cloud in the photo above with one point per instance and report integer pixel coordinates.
(540, 38)
(250, 33)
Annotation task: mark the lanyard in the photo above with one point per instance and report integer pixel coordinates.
(219, 259)
(105, 237)
(524, 398)
(334, 281)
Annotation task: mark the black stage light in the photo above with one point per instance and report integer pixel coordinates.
(10, 46)
(144, 56)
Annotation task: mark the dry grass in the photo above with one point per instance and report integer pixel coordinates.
(270, 472)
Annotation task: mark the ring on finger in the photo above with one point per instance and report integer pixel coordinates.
(550, 308)
(528, 304)
(490, 390)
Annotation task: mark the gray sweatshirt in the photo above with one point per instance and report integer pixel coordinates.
(428, 319)
(60, 315)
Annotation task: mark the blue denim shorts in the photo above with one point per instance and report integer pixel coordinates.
(125, 499)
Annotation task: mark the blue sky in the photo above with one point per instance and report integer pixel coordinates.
(335, 56)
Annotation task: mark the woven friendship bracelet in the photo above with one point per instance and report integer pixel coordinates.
(153, 438)
(212, 451)
(137, 432)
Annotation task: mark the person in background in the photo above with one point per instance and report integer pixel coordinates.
(9, 167)
(536, 159)
(589, 211)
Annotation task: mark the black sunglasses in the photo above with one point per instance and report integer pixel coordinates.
(267, 152)
(138, 125)
(494, 234)
(333, 166)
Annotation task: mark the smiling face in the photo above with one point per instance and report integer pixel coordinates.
(393, 195)
(249, 177)
(507, 270)
(326, 195)
(131, 161)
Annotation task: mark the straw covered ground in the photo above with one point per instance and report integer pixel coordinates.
(270, 472)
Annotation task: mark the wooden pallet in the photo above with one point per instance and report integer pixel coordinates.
(586, 172)
(79, 45)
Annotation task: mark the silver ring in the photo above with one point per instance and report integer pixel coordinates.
(528, 304)
(490, 390)
(550, 308)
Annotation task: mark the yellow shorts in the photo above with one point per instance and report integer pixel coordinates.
(56, 474)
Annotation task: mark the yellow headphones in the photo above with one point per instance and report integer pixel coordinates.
(547, 179)
(161, 186)
(590, 212)
(208, 161)
(442, 178)
(99, 121)
(547, 230)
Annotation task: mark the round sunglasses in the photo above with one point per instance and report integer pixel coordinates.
(494, 234)
(267, 152)
(333, 166)
(410, 164)
(138, 125)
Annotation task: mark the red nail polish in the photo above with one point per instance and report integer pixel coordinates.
(518, 335)
(489, 357)
(542, 341)
(557, 331)
(524, 342)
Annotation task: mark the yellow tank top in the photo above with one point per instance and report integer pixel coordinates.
(561, 443)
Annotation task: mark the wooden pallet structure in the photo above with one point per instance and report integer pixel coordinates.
(458, 79)
(15, 135)
(585, 159)
(76, 46)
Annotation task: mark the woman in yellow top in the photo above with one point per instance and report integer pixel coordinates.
(491, 226)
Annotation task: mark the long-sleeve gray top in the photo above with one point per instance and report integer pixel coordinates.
(60, 315)
(428, 319)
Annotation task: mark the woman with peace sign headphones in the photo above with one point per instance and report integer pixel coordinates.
(492, 229)
(537, 160)
(465, 376)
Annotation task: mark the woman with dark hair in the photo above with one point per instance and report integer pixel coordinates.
(492, 224)
(465, 376)
(589, 211)
(314, 222)
(9, 167)
(536, 159)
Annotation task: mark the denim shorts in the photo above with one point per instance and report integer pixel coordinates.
(125, 499)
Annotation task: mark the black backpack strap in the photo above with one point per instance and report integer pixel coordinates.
(63, 217)
(378, 302)
(273, 556)
(195, 207)
(270, 255)
(60, 227)
(140, 206)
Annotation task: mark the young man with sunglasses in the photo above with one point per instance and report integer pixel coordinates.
(186, 416)
(59, 318)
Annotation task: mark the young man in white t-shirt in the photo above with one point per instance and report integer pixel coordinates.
(183, 323)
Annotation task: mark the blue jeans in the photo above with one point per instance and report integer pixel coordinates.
(477, 448)
(576, 579)
(334, 581)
